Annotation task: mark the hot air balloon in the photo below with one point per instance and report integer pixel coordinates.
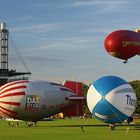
(111, 99)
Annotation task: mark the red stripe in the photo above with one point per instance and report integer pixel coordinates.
(10, 111)
(8, 115)
(13, 94)
(13, 88)
(4, 113)
(13, 83)
(11, 103)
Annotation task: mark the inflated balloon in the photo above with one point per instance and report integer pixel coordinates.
(123, 44)
(111, 99)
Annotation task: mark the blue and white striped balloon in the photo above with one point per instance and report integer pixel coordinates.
(111, 99)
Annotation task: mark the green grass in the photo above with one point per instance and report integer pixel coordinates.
(68, 129)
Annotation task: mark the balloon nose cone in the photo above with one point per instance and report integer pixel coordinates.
(11, 95)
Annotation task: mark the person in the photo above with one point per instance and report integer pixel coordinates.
(112, 126)
(130, 119)
(17, 123)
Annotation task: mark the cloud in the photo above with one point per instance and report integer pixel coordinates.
(99, 2)
(111, 6)
(98, 30)
(43, 59)
(39, 5)
(103, 6)
(94, 3)
(25, 18)
(76, 3)
(31, 62)
(37, 28)
(63, 42)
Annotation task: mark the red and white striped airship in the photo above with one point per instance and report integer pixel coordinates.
(35, 100)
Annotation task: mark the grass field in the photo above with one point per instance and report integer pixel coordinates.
(68, 129)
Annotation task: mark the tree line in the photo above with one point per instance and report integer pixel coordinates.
(136, 86)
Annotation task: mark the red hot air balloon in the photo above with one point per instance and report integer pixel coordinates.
(123, 44)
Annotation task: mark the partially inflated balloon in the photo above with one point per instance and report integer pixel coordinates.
(111, 99)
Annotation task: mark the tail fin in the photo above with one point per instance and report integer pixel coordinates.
(77, 108)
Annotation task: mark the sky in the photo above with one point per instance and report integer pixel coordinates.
(64, 39)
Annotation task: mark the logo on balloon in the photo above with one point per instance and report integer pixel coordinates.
(32, 102)
(130, 101)
(130, 43)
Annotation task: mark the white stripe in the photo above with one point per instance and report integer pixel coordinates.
(105, 117)
(93, 97)
(13, 91)
(12, 86)
(119, 100)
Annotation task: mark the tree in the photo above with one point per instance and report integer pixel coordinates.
(85, 90)
(136, 86)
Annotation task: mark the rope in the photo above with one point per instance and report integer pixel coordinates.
(84, 124)
(18, 53)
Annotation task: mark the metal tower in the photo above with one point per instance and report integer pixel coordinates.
(5, 73)
(3, 47)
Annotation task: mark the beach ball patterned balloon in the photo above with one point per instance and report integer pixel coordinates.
(111, 99)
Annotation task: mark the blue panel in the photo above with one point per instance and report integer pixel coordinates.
(106, 112)
(107, 83)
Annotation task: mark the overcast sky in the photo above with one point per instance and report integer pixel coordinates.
(64, 39)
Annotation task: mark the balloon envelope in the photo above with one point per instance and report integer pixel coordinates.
(123, 44)
(111, 99)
